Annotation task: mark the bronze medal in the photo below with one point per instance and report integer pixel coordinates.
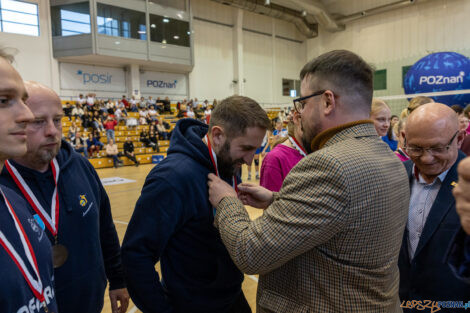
(59, 255)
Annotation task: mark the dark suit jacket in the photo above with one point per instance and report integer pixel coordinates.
(459, 258)
(427, 276)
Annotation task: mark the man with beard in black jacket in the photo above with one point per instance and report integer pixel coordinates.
(173, 219)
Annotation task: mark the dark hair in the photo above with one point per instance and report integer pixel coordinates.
(418, 101)
(236, 113)
(343, 70)
(457, 108)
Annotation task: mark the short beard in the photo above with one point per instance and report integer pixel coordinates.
(225, 163)
(307, 137)
(45, 156)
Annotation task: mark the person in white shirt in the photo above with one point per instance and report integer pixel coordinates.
(152, 113)
(90, 100)
(81, 100)
(190, 113)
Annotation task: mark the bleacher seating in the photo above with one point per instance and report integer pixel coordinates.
(143, 154)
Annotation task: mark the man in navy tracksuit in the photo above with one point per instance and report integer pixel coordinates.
(25, 252)
(173, 219)
(85, 226)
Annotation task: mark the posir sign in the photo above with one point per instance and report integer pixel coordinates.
(437, 72)
(163, 83)
(92, 78)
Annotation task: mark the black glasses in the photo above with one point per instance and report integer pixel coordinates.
(419, 151)
(299, 103)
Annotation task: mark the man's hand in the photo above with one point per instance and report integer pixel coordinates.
(462, 194)
(122, 296)
(255, 196)
(218, 189)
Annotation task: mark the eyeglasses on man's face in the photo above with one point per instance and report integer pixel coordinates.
(299, 103)
(415, 151)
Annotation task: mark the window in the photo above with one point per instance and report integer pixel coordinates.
(70, 19)
(176, 4)
(404, 70)
(380, 80)
(169, 31)
(121, 22)
(291, 88)
(19, 17)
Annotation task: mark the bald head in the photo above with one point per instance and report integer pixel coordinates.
(40, 94)
(44, 133)
(433, 129)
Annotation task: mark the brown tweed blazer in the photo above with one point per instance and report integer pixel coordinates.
(330, 240)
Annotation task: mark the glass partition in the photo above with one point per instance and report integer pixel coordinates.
(71, 19)
(169, 31)
(121, 22)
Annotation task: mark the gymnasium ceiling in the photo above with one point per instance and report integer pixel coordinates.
(331, 15)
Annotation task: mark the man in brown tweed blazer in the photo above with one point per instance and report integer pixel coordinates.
(329, 240)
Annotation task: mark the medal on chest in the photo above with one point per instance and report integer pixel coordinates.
(59, 251)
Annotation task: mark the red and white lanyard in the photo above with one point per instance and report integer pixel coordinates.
(298, 146)
(35, 284)
(51, 221)
(214, 163)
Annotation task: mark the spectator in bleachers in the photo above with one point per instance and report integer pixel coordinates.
(67, 108)
(207, 114)
(279, 130)
(113, 152)
(287, 152)
(166, 105)
(96, 122)
(81, 100)
(125, 102)
(87, 120)
(129, 151)
(144, 138)
(78, 144)
(134, 107)
(109, 125)
(111, 107)
(92, 145)
(120, 115)
(205, 105)
(90, 100)
(72, 130)
(159, 105)
(151, 101)
(153, 114)
(143, 116)
(142, 103)
(153, 137)
(78, 111)
(162, 132)
(190, 113)
(195, 103)
(380, 113)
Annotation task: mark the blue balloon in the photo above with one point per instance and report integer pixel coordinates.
(441, 71)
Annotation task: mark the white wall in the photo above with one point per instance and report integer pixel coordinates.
(266, 59)
(33, 59)
(399, 37)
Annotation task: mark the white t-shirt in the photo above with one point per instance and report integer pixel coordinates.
(190, 114)
(143, 113)
(81, 101)
(90, 100)
(207, 112)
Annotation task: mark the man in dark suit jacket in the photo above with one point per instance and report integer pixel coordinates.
(432, 141)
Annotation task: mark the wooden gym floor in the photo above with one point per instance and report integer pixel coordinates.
(123, 198)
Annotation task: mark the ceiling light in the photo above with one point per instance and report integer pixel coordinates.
(176, 37)
(153, 26)
(141, 31)
(189, 33)
(267, 2)
(165, 20)
(164, 41)
(304, 13)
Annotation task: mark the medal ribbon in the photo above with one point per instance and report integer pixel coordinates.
(51, 221)
(34, 284)
(214, 163)
(298, 146)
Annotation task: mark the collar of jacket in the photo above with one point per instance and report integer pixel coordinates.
(322, 138)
